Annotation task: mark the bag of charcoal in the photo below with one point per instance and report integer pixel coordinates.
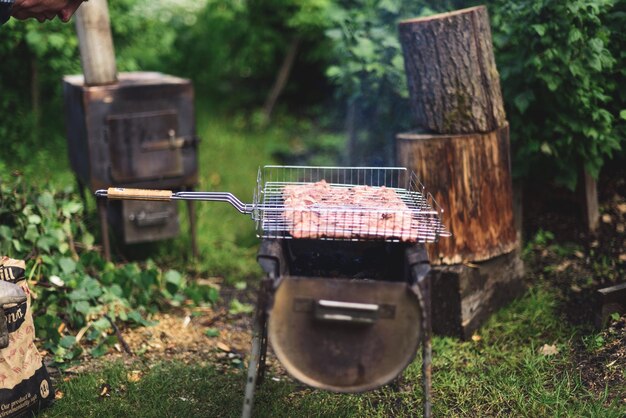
(25, 385)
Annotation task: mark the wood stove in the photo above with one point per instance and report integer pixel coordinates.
(137, 132)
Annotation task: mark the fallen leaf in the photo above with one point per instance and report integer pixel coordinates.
(58, 394)
(476, 338)
(620, 228)
(622, 257)
(579, 254)
(105, 390)
(563, 266)
(223, 347)
(186, 321)
(57, 281)
(134, 376)
(606, 218)
(548, 350)
(595, 244)
(575, 288)
(622, 208)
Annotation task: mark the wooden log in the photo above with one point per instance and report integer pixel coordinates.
(453, 81)
(610, 300)
(469, 176)
(97, 55)
(464, 296)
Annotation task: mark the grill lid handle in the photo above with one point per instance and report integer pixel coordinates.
(336, 311)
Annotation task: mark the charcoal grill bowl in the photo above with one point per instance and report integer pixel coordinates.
(342, 355)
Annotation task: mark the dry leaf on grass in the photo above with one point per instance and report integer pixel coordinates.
(134, 376)
(223, 347)
(476, 338)
(105, 390)
(548, 350)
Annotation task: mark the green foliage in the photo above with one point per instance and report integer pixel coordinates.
(79, 295)
(556, 60)
(368, 70)
(234, 49)
(36, 56)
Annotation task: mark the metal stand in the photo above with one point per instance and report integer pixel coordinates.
(271, 260)
(104, 228)
(258, 354)
(420, 269)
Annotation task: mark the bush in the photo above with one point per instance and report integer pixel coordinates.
(556, 60)
(79, 295)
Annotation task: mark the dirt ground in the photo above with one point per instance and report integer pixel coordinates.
(576, 263)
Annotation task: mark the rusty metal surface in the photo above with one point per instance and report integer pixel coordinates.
(336, 352)
(144, 146)
(149, 221)
(105, 120)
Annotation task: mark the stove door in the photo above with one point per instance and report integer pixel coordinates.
(344, 335)
(145, 146)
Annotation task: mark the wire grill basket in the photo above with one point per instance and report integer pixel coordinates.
(328, 203)
(354, 203)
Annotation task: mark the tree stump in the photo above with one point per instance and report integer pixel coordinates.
(453, 81)
(469, 176)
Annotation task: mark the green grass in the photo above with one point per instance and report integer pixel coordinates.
(502, 374)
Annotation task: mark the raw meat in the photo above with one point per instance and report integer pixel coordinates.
(319, 210)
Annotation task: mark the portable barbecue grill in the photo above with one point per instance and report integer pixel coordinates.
(346, 307)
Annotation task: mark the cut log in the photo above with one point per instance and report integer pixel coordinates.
(610, 300)
(97, 55)
(464, 296)
(469, 176)
(453, 81)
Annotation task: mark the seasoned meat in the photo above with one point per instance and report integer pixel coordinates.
(319, 210)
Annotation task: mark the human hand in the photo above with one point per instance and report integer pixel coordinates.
(44, 9)
(68, 11)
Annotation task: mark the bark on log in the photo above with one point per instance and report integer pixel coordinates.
(97, 54)
(463, 297)
(451, 72)
(469, 176)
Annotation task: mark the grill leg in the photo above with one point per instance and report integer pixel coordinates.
(104, 228)
(420, 269)
(256, 365)
(427, 348)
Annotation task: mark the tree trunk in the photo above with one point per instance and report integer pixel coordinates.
(97, 55)
(451, 72)
(281, 78)
(469, 176)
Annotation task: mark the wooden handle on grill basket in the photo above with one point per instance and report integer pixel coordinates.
(138, 194)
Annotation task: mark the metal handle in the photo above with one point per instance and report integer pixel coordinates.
(167, 195)
(143, 219)
(336, 311)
